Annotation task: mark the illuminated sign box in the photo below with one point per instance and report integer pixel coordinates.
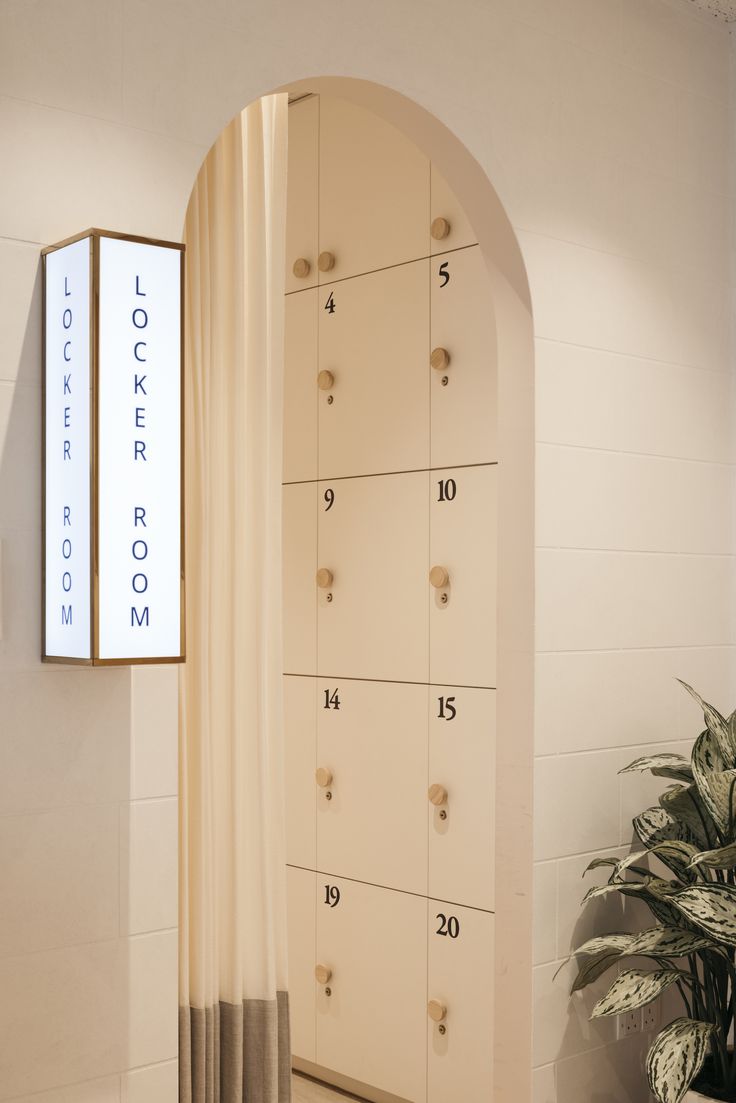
(113, 574)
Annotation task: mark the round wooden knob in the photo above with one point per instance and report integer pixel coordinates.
(439, 577)
(440, 359)
(323, 776)
(324, 578)
(440, 228)
(436, 1010)
(437, 794)
(326, 262)
(325, 380)
(301, 267)
(323, 973)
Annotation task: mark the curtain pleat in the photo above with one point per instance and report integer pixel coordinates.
(234, 1034)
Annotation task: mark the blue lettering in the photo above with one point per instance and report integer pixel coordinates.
(139, 381)
(140, 589)
(66, 416)
(142, 544)
(67, 383)
(67, 292)
(140, 413)
(140, 450)
(139, 345)
(67, 515)
(67, 450)
(139, 311)
(139, 517)
(66, 321)
(66, 548)
(138, 287)
(66, 614)
(66, 582)
(138, 618)
(67, 345)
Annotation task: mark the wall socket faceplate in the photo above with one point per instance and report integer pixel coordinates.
(628, 1023)
(650, 1017)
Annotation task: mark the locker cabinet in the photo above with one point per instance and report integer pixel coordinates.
(299, 540)
(301, 887)
(373, 192)
(372, 619)
(460, 980)
(373, 338)
(372, 737)
(462, 541)
(300, 387)
(463, 393)
(462, 751)
(444, 205)
(300, 747)
(302, 185)
(372, 1026)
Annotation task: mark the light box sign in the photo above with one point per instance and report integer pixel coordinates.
(113, 452)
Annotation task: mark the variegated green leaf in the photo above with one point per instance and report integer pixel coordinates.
(682, 803)
(633, 988)
(628, 888)
(656, 828)
(714, 779)
(599, 863)
(676, 1057)
(710, 907)
(668, 942)
(717, 725)
(663, 765)
(593, 968)
(613, 943)
(722, 858)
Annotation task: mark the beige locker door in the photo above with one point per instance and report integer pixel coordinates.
(373, 339)
(372, 737)
(301, 918)
(299, 567)
(463, 394)
(302, 185)
(300, 741)
(300, 387)
(460, 978)
(374, 192)
(462, 632)
(444, 204)
(462, 752)
(372, 1026)
(373, 538)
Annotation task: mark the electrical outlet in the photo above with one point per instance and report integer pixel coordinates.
(628, 1023)
(650, 1016)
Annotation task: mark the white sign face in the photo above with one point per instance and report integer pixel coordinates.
(139, 450)
(67, 410)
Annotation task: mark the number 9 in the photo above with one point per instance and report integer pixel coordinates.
(329, 498)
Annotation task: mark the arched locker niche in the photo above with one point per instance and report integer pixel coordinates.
(390, 542)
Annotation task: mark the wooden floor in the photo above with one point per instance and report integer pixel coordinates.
(309, 1091)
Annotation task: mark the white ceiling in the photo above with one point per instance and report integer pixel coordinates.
(721, 9)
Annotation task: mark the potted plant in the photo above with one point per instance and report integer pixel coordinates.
(690, 893)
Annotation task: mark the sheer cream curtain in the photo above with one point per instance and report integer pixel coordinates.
(234, 1031)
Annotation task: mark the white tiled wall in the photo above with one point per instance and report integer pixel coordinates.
(605, 126)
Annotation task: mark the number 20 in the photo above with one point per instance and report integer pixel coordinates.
(449, 925)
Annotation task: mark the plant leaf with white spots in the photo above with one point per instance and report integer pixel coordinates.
(633, 988)
(710, 907)
(668, 942)
(717, 725)
(676, 1057)
(592, 968)
(663, 765)
(616, 943)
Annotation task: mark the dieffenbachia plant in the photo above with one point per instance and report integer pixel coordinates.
(691, 946)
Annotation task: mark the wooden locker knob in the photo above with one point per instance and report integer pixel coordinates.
(440, 228)
(323, 973)
(301, 268)
(326, 262)
(436, 1010)
(437, 794)
(440, 359)
(325, 380)
(439, 577)
(325, 578)
(323, 776)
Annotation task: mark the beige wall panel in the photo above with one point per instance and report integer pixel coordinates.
(460, 1061)
(374, 192)
(463, 409)
(373, 337)
(300, 387)
(462, 751)
(302, 184)
(299, 566)
(372, 1027)
(300, 734)
(443, 203)
(374, 827)
(463, 540)
(374, 540)
(301, 887)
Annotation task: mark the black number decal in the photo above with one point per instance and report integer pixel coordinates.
(332, 895)
(329, 498)
(449, 925)
(332, 700)
(443, 273)
(330, 304)
(447, 709)
(448, 490)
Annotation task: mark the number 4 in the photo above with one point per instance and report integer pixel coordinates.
(330, 304)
